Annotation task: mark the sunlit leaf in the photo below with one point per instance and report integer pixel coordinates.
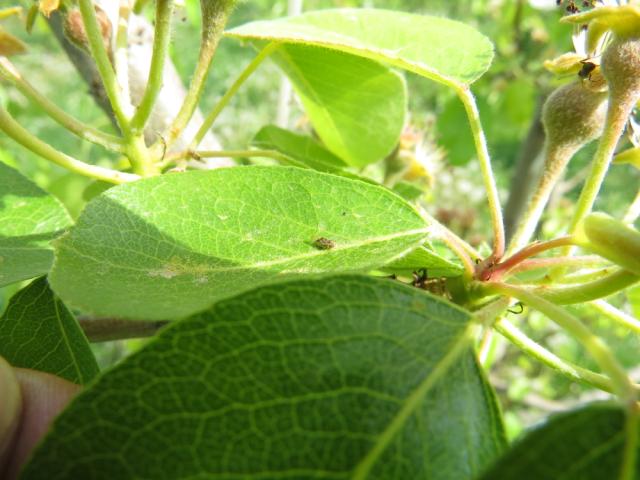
(170, 246)
(444, 50)
(29, 219)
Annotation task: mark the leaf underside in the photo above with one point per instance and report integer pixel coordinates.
(38, 332)
(584, 444)
(346, 377)
(170, 246)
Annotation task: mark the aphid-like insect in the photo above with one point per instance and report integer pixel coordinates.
(437, 286)
(323, 243)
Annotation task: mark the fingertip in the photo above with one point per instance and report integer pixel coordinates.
(10, 410)
(44, 396)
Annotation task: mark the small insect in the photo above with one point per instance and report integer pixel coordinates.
(437, 286)
(587, 68)
(518, 305)
(323, 243)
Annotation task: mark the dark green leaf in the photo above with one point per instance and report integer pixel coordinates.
(444, 50)
(29, 219)
(584, 444)
(357, 106)
(37, 331)
(333, 378)
(170, 246)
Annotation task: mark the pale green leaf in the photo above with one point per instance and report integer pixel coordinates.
(356, 106)
(29, 219)
(332, 378)
(583, 444)
(423, 258)
(37, 331)
(303, 150)
(444, 50)
(170, 246)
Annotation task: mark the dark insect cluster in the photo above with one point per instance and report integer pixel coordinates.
(437, 286)
(571, 6)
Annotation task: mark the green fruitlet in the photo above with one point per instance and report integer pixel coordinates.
(611, 239)
(572, 116)
(621, 68)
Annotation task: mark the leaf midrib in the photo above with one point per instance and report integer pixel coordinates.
(413, 401)
(270, 263)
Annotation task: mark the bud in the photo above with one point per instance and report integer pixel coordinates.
(611, 239)
(74, 29)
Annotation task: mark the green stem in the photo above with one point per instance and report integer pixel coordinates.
(473, 115)
(162, 36)
(86, 132)
(14, 130)
(121, 56)
(530, 251)
(457, 245)
(587, 292)
(222, 103)
(617, 115)
(599, 351)
(211, 33)
(188, 154)
(537, 351)
(584, 277)
(539, 263)
(139, 156)
(100, 56)
(556, 159)
(616, 315)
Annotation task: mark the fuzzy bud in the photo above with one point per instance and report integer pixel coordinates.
(573, 115)
(621, 67)
(75, 32)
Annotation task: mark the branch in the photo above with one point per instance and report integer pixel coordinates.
(109, 329)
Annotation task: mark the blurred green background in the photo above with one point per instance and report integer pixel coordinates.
(524, 34)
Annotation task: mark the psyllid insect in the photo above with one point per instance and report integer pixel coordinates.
(323, 243)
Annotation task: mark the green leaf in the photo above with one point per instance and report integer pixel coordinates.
(303, 150)
(38, 332)
(427, 259)
(583, 444)
(170, 246)
(409, 191)
(29, 219)
(443, 50)
(336, 378)
(356, 106)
